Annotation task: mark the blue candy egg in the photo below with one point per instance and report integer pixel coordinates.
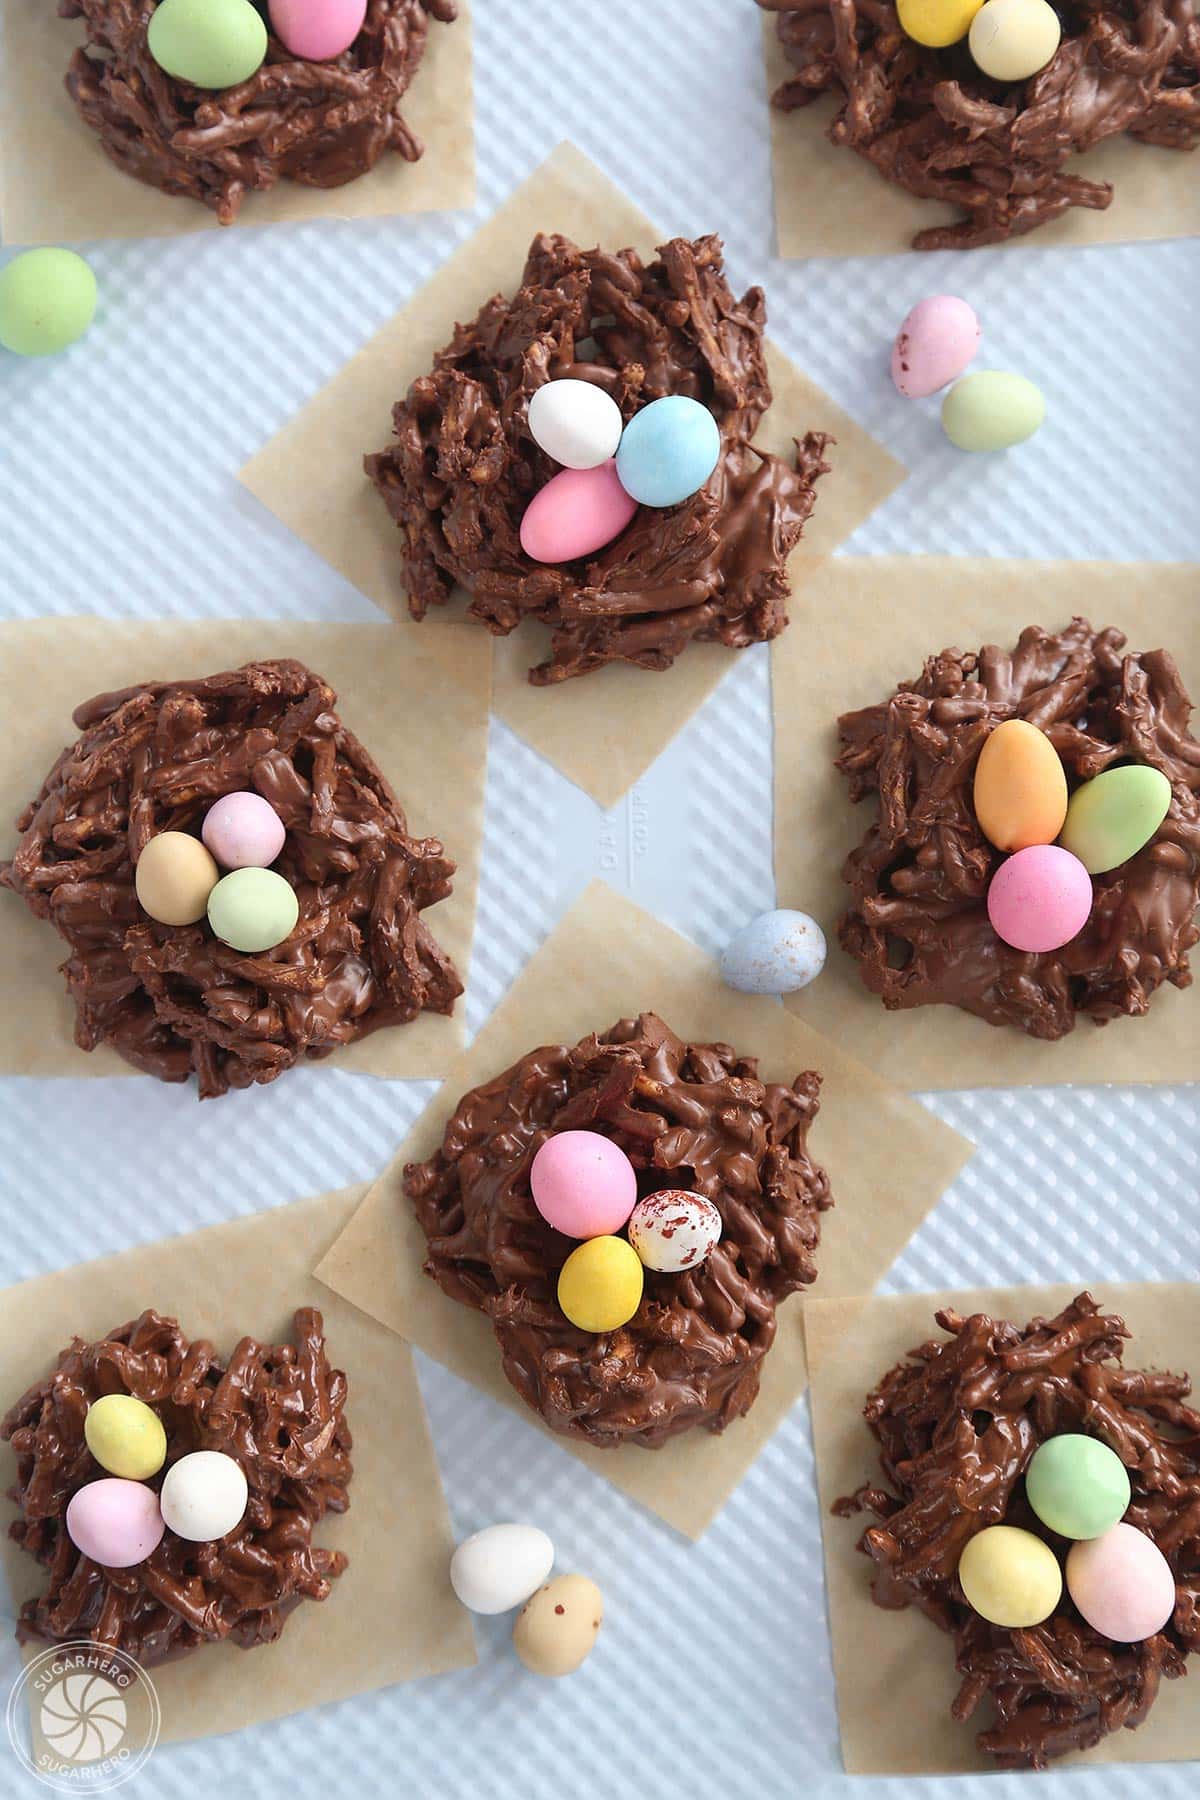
(668, 451)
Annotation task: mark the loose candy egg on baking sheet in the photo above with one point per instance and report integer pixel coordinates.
(575, 514)
(500, 1567)
(1020, 787)
(1010, 1577)
(204, 1495)
(47, 301)
(779, 952)
(992, 410)
(557, 1627)
(577, 423)
(125, 1436)
(674, 1230)
(933, 346)
(115, 1523)
(668, 451)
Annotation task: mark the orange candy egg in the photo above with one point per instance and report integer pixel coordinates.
(1020, 787)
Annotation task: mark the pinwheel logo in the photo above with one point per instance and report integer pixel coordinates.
(83, 1716)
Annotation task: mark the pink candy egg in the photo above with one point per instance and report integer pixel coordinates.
(317, 30)
(1040, 898)
(575, 514)
(115, 1523)
(1122, 1584)
(934, 345)
(583, 1184)
(243, 831)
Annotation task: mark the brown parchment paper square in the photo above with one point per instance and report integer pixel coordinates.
(832, 202)
(56, 182)
(888, 1161)
(603, 730)
(418, 702)
(876, 619)
(392, 1616)
(895, 1670)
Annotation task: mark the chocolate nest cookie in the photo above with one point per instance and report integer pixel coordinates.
(318, 123)
(277, 1409)
(958, 1422)
(918, 925)
(932, 122)
(685, 1114)
(464, 467)
(173, 1000)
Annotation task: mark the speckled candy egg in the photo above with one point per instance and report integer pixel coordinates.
(1076, 1485)
(209, 43)
(204, 1496)
(1113, 816)
(317, 30)
(992, 410)
(674, 1230)
(600, 1284)
(1010, 1577)
(1010, 40)
(174, 878)
(668, 451)
(576, 422)
(125, 1436)
(1122, 1584)
(243, 831)
(1020, 788)
(583, 1184)
(934, 345)
(777, 953)
(115, 1523)
(1040, 898)
(253, 910)
(575, 514)
(499, 1567)
(937, 23)
(47, 301)
(556, 1629)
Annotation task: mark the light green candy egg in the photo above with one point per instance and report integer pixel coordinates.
(47, 300)
(1110, 818)
(991, 410)
(253, 909)
(1077, 1486)
(211, 43)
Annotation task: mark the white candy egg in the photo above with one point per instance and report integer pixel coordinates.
(499, 1567)
(777, 953)
(674, 1230)
(204, 1496)
(575, 422)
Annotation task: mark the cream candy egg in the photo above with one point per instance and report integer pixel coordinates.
(243, 831)
(673, 1230)
(1010, 40)
(576, 422)
(125, 1436)
(115, 1523)
(1122, 1584)
(575, 514)
(583, 1184)
(174, 877)
(777, 953)
(204, 1496)
(1010, 1577)
(556, 1629)
(934, 345)
(499, 1567)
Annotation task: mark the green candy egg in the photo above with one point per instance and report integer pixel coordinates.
(253, 909)
(1113, 816)
(47, 300)
(1077, 1486)
(992, 411)
(211, 43)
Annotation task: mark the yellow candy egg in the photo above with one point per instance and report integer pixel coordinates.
(1020, 787)
(174, 877)
(1010, 1577)
(125, 1436)
(600, 1284)
(937, 23)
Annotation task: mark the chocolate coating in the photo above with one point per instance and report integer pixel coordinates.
(694, 1116)
(173, 1000)
(933, 123)
(918, 923)
(958, 1422)
(321, 124)
(277, 1409)
(464, 466)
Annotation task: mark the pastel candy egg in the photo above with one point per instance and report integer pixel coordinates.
(209, 43)
(1076, 1485)
(499, 1567)
(1122, 1584)
(583, 1184)
(253, 910)
(1020, 791)
(937, 23)
(575, 422)
(673, 1230)
(115, 1523)
(317, 30)
(992, 410)
(556, 1629)
(777, 953)
(47, 301)
(575, 514)
(1010, 1577)
(125, 1436)
(174, 878)
(243, 831)
(1113, 816)
(934, 345)
(600, 1284)
(1011, 40)
(668, 451)
(204, 1496)
(1040, 898)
